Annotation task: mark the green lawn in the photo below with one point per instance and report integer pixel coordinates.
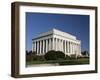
(61, 62)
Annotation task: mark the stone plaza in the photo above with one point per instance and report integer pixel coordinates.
(57, 40)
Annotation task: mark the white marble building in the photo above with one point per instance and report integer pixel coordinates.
(56, 40)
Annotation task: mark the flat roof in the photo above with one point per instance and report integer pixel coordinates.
(56, 32)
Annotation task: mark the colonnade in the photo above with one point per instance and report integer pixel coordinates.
(44, 45)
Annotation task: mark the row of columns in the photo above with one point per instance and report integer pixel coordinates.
(43, 46)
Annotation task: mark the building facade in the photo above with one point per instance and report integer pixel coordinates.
(56, 40)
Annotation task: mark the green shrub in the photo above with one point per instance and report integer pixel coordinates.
(60, 55)
(67, 57)
(54, 55)
(51, 55)
(73, 56)
(39, 58)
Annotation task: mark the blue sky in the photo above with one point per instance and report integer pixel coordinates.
(77, 25)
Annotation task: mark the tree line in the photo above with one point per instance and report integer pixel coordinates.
(51, 55)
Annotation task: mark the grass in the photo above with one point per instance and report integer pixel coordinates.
(61, 62)
(75, 62)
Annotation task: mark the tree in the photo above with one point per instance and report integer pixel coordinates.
(30, 52)
(54, 55)
(67, 57)
(85, 53)
(51, 55)
(26, 52)
(60, 55)
(30, 56)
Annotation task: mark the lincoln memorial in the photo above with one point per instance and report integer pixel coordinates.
(56, 40)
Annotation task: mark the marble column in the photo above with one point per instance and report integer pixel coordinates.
(53, 44)
(61, 45)
(68, 47)
(50, 44)
(56, 44)
(32, 46)
(77, 49)
(71, 48)
(65, 46)
(46, 45)
(40, 47)
(43, 47)
(37, 47)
